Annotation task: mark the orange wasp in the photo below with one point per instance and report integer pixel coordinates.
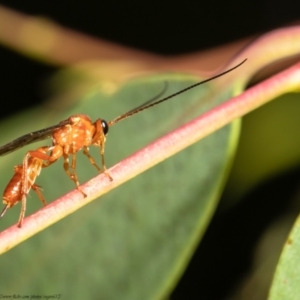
(68, 137)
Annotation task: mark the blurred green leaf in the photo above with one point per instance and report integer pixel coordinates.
(134, 242)
(269, 145)
(287, 276)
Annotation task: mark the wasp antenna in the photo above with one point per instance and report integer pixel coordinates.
(146, 106)
(152, 99)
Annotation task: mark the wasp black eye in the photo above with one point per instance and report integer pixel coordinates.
(104, 126)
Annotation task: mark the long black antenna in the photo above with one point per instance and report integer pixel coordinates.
(150, 100)
(145, 106)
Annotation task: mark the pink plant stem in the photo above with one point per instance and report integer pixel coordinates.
(209, 122)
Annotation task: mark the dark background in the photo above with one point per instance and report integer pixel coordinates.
(166, 27)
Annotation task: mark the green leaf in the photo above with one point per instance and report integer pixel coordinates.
(287, 276)
(134, 242)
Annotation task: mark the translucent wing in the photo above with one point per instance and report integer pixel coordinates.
(31, 138)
